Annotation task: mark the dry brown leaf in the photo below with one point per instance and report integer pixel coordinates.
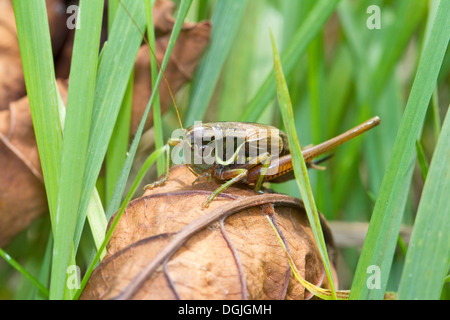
(190, 45)
(22, 192)
(12, 84)
(228, 251)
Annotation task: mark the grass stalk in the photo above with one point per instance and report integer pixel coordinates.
(300, 169)
(76, 137)
(427, 259)
(384, 226)
(157, 118)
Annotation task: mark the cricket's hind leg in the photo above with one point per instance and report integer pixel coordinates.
(235, 175)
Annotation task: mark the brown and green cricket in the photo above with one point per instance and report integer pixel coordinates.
(259, 153)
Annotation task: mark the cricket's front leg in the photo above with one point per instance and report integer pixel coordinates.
(235, 175)
(166, 170)
(206, 174)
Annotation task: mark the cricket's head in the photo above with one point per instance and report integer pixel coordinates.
(192, 147)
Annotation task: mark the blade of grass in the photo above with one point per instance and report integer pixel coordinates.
(338, 86)
(378, 146)
(118, 145)
(157, 120)
(408, 16)
(116, 153)
(428, 256)
(76, 135)
(306, 33)
(42, 289)
(371, 82)
(202, 10)
(300, 169)
(97, 219)
(120, 186)
(236, 81)
(112, 9)
(315, 87)
(37, 60)
(112, 79)
(226, 20)
(324, 294)
(95, 212)
(62, 118)
(44, 273)
(436, 116)
(317, 291)
(422, 160)
(318, 110)
(384, 226)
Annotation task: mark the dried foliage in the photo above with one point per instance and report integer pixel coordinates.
(12, 83)
(166, 247)
(22, 191)
(190, 45)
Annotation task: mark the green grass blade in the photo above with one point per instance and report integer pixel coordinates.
(422, 160)
(226, 20)
(384, 226)
(409, 15)
(112, 79)
(371, 81)
(306, 33)
(318, 111)
(436, 115)
(120, 186)
(76, 137)
(37, 60)
(157, 117)
(428, 256)
(315, 88)
(338, 86)
(120, 139)
(44, 273)
(112, 9)
(95, 212)
(13, 263)
(118, 146)
(97, 219)
(236, 81)
(300, 169)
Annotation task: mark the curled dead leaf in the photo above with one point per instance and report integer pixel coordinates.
(166, 247)
(12, 83)
(22, 192)
(190, 45)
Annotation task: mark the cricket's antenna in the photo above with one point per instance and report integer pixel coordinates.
(157, 63)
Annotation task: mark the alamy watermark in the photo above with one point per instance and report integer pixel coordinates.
(374, 277)
(73, 22)
(73, 277)
(374, 20)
